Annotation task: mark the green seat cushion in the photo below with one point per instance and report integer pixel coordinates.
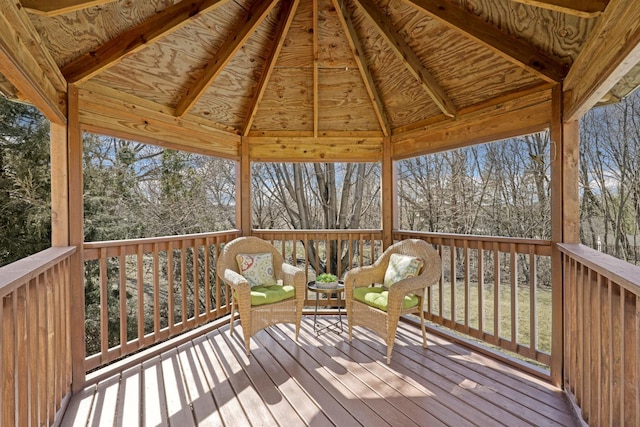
(269, 294)
(378, 297)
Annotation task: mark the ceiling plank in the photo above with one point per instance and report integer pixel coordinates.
(256, 14)
(528, 114)
(409, 58)
(315, 149)
(59, 7)
(20, 67)
(581, 8)
(159, 25)
(612, 50)
(513, 49)
(363, 66)
(286, 17)
(109, 112)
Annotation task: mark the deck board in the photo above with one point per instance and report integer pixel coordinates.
(319, 381)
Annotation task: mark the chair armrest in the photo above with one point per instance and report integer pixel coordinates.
(237, 282)
(360, 277)
(293, 276)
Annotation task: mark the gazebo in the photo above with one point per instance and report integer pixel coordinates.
(312, 81)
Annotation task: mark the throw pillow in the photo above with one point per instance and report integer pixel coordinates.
(257, 268)
(401, 267)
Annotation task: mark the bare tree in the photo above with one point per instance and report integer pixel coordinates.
(318, 196)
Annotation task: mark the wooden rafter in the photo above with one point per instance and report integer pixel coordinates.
(363, 66)
(112, 52)
(513, 49)
(20, 67)
(256, 14)
(612, 50)
(409, 58)
(27, 33)
(59, 7)
(581, 8)
(286, 17)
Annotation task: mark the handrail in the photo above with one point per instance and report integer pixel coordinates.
(623, 273)
(91, 248)
(21, 271)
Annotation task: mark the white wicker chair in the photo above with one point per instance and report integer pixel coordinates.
(385, 323)
(255, 318)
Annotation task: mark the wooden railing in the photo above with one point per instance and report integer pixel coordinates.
(602, 336)
(147, 290)
(35, 374)
(162, 269)
(477, 272)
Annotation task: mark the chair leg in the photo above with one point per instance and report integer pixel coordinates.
(423, 328)
(392, 326)
(233, 315)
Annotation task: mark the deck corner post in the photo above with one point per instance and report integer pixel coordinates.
(389, 196)
(565, 219)
(76, 238)
(243, 189)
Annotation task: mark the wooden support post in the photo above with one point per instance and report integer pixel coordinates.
(389, 194)
(59, 185)
(565, 218)
(243, 189)
(76, 238)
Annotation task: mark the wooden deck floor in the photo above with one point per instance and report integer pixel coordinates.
(319, 381)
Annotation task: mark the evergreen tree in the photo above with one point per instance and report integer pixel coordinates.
(25, 182)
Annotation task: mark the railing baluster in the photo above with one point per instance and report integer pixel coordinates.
(8, 361)
(207, 277)
(22, 368)
(480, 288)
(123, 300)
(467, 290)
(533, 305)
(183, 284)
(140, 296)
(513, 265)
(453, 253)
(171, 299)
(156, 292)
(496, 291)
(104, 302)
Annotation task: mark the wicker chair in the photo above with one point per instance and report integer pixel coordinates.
(255, 318)
(385, 323)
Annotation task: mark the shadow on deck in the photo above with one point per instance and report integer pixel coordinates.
(321, 380)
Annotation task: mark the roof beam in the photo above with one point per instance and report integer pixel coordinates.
(363, 66)
(612, 50)
(20, 66)
(581, 8)
(159, 25)
(59, 7)
(513, 49)
(287, 13)
(256, 14)
(409, 58)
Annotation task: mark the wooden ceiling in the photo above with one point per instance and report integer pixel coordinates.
(289, 76)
